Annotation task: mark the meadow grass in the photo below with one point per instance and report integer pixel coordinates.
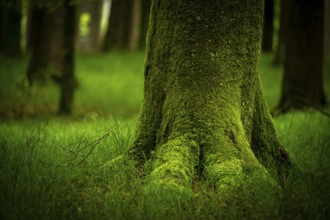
(55, 167)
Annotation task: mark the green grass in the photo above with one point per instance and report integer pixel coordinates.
(72, 168)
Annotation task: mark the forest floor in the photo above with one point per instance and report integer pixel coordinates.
(54, 167)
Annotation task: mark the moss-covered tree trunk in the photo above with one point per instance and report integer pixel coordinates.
(47, 44)
(302, 83)
(203, 109)
(124, 25)
(268, 26)
(10, 40)
(68, 80)
(91, 42)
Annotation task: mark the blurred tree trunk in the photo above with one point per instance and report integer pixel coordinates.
(280, 49)
(135, 25)
(68, 80)
(2, 32)
(327, 29)
(91, 42)
(124, 25)
(268, 26)
(302, 83)
(31, 29)
(145, 12)
(11, 17)
(47, 44)
(203, 108)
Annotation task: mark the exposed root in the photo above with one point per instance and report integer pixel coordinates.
(173, 164)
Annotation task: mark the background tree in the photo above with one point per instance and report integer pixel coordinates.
(268, 27)
(31, 27)
(280, 48)
(145, 13)
(90, 42)
(68, 80)
(10, 28)
(47, 48)
(203, 108)
(302, 83)
(327, 28)
(123, 30)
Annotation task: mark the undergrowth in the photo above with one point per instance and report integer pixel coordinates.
(75, 168)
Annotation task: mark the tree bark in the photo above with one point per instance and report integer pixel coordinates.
(280, 49)
(47, 49)
(91, 42)
(124, 25)
(268, 27)
(11, 17)
(302, 83)
(68, 80)
(203, 110)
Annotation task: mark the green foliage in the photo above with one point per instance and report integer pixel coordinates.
(69, 168)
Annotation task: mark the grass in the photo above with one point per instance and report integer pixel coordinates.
(71, 167)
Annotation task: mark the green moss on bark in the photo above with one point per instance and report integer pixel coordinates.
(173, 163)
(203, 110)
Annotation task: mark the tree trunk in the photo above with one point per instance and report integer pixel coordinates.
(327, 29)
(2, 32)
(11, 29)
(31, 28)
(68, 80)
(134, 25)
(280, 49)
(145, 12)
(302, 83)
(124, 25)
(203, 109)
(91, 42)
(268, 27)
(47, 53)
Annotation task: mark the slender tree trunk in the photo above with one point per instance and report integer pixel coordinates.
(124, 25)
(11, 29)
(268, 28)
(91, 42)
(68, 79)
(47, 49)
(31, 28)
(2, 32)
(114, 31)
(327, 29)
(145, 13)
(203, 109)
(134, 25)
(280, 49)
(302, 83)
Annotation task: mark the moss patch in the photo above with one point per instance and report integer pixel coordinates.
(174, 162)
